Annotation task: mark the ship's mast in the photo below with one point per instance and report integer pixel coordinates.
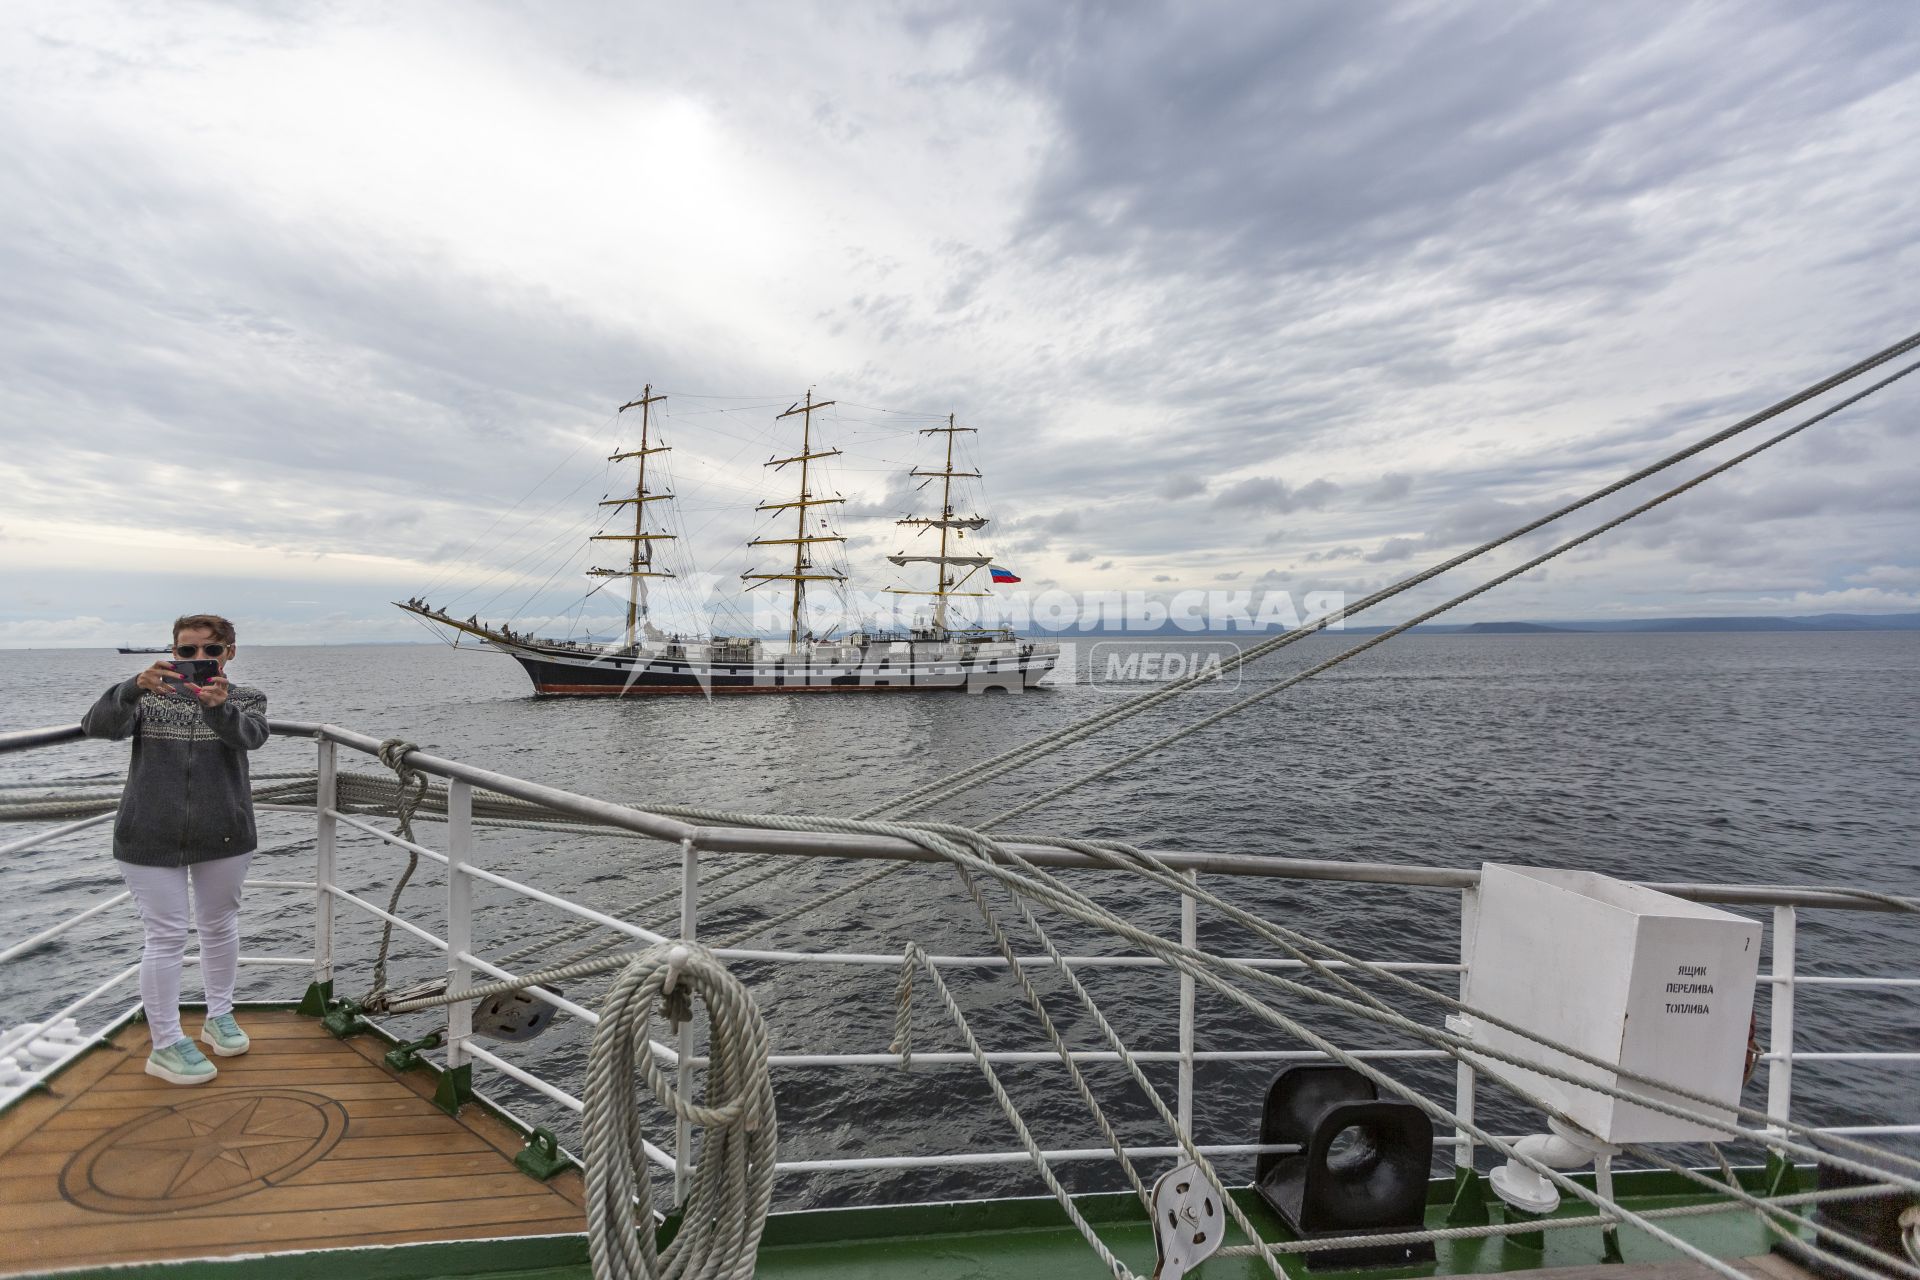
(801, 539)
(943, 577)
(640, 563)
(945, 580)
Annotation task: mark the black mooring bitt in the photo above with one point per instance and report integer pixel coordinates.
(1879, 1221)
(1362, 1168)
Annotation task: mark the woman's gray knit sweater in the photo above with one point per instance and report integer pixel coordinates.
(188, 797)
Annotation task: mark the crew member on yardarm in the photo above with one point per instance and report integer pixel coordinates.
(185, 830)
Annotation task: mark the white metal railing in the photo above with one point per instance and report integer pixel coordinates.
(465, 965)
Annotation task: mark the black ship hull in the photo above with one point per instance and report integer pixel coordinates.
(589, 674)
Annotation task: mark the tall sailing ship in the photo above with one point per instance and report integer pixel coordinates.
(937, 652)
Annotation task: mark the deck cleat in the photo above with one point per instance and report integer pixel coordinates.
(405, 1057)
(540, 1159)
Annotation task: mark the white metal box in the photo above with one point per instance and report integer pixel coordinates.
(1638, 979)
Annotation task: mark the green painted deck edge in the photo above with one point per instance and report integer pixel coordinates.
(967, 1217)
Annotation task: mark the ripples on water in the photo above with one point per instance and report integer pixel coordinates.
(1780, 758)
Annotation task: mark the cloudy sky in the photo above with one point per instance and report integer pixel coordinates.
(309, 307)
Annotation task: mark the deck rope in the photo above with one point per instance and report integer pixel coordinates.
(916, 960)
(985, 770)
(1004, 946)
(1607, 1205)
(974, 852)
(1162, 743)
(726, 1209)
(410, 787)
(1299, 945)
(1178, 956)
(1023, 876)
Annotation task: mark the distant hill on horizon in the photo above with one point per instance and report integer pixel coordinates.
(1806, 622)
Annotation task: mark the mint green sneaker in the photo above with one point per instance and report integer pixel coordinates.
(225, 1035)
(181, 1063)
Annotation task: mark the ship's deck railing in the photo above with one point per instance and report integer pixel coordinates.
(466, 965)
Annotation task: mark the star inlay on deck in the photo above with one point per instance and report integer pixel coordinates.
(204, 1150)
(305, 1142)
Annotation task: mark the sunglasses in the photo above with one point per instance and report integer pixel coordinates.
(195, 650)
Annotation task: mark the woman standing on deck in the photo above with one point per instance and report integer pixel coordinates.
(186, 822)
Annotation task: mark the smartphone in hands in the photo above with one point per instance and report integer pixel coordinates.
(193, 671)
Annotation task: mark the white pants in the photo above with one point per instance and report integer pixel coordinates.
(161, 894)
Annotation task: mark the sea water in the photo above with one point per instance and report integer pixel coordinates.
(1787, 758)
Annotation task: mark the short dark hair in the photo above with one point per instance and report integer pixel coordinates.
(221, 628)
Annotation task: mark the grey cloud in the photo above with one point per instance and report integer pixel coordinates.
(1270, 493)
(1391, 487)
(1393, 549)
(899, 497)
(1887, 575)
(1277, 231)
(1334, 133)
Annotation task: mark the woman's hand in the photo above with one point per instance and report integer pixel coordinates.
(154, 678)
(211, 694)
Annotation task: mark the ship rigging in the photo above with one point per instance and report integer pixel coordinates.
(933, 652)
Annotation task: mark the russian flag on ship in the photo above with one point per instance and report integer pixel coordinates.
(1003, 575)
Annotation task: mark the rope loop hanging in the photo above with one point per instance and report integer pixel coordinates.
(410, 788)
(732, 1191)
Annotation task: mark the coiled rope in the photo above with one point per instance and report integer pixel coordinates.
(726, 1210)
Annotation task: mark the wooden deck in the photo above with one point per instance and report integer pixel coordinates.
(306, 1142)
(310, 1143)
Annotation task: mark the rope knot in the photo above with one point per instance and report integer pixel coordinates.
(677, 1006)
(393, 753)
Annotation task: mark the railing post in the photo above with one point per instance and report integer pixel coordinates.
(1189, 937)
(459, 918)
(326, 827)
(1469, 1206)
(1780, 1035)
(689, 920)
(1463, 1076)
